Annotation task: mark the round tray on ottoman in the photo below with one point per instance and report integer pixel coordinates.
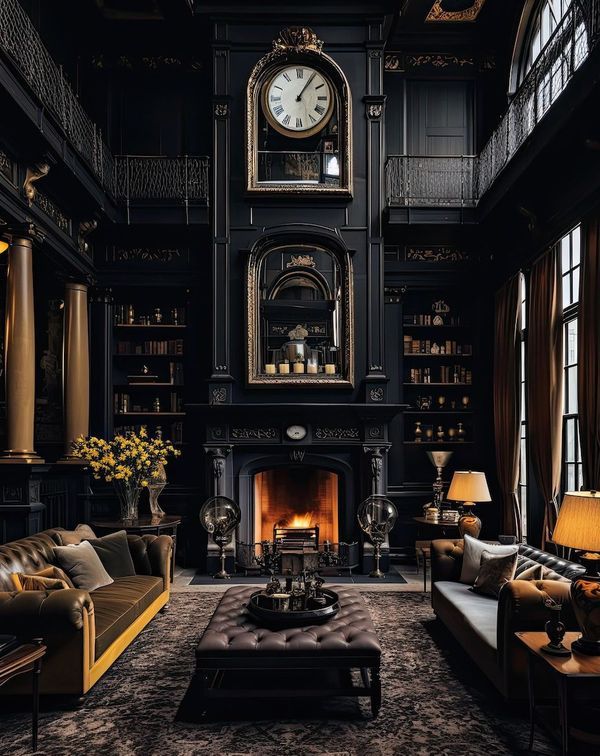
(272, 618)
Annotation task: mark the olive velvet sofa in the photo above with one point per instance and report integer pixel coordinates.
(84, 632)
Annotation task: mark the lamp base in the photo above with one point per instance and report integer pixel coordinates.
(585, 599)
(469, 523)
(377, 573)
(222, 575)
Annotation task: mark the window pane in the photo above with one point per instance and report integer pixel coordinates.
(570, 478)
(576, 245)
(569, 454)
(565, 253)
(575, 285)
(571, 344)
(572, 396)
(566, 291)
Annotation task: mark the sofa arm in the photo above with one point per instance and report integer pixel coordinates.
(521, 608)
(160, 554)
(30, 614)
(446, 559)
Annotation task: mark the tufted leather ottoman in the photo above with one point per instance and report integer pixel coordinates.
(233, 642)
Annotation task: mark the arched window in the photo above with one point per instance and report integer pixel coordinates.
(542, 21)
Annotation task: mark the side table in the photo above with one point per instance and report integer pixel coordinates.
(569, 672)
(19, 661)
(166, 525)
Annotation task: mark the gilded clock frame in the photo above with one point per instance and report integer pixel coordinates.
(282, 129)
(298, 45)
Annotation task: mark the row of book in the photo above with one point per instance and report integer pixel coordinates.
(445, 374)
(427, 320)
(172, 403)
(449, 515)
(426, 346)
(173, 433)
(163, 346)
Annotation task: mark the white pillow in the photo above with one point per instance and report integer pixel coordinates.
(472, 556)
(83, 566)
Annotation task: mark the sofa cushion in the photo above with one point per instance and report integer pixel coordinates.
(494, 572)
(113, 550)
(81, 533)
(83, 566)
(480, 613)
(472, 556)
(119, 604)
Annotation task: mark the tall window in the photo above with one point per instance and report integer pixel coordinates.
(570, 248)
(522, 486)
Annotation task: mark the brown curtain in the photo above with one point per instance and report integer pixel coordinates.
(588, 351)
(545, 381)
(507, 400)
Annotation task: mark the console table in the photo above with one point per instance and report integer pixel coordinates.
(166, 525)
(19, 661)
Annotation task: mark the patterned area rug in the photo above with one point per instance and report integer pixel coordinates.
(435, 702)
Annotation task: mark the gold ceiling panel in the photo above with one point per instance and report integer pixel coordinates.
(438, 13)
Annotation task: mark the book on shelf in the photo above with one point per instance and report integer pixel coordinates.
(172, 433)
(176, 373)
(423, 319)
(127, 314)
(446, 374)
(426, 346)
(151, 347)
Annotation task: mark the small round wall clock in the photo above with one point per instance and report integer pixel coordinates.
(295, 432)
(298, 100)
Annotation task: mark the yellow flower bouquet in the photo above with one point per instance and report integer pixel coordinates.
(129, 462)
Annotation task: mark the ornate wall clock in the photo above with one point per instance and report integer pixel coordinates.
(298, 119)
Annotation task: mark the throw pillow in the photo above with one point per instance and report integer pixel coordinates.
(113, 550)
(52, 572)
(472, 556)
(495, 571)
(81, 532)
(36, 582)
(531, 572)
(83, 566)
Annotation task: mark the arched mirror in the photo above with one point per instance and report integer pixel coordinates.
(299, 315)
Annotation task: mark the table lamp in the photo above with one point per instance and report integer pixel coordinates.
(469, 488)
(578, 527)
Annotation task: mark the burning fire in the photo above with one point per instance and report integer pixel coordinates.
(301, 521)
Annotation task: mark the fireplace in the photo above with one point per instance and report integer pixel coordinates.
(299, 498)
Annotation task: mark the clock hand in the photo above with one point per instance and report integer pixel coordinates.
(304, 87)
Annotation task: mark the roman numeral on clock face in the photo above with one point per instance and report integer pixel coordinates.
(286, 76)
(299, 73)
(286, 120)
(274, 98)
(313, 120)
(278, 110)
(298, 123)
(319, 109)
(322, 97)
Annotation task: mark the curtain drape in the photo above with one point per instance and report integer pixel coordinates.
(507, 400)
(588, 352)
(545, 381)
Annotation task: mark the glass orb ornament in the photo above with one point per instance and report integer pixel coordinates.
(377, 516)
(220, 516)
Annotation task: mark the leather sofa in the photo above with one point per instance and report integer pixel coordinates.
(84, 632)
(486, 627)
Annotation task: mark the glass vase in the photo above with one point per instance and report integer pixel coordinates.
(129, 497)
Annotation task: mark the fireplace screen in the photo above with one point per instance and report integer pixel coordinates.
(296, 498)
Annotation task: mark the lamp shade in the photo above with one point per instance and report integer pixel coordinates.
(469, 486)
(578, 524)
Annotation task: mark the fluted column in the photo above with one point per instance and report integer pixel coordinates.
(19, 353)
(76, 366)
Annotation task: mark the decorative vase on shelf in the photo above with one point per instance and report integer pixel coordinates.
(154, 491)
(418, 432)
(129, 499)
(555, 630)
(461, 432)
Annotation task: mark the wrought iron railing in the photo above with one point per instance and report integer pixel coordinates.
(426, 181)
(183, 178)
(21, 43)
(462, 181)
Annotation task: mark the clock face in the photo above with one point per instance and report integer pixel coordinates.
(298, 101)
(296, 432)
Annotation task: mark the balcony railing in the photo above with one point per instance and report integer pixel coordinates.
(21, 43)
(462, 181)
(424, 181)
(139, 177)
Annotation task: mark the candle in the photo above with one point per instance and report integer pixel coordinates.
(298, 367)
(311, 368)
(329, 369)
(270, 368)
(284, 367)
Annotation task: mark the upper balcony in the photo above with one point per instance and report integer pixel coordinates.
(139, 183)
(454, 186)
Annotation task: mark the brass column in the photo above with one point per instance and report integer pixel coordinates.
(76, 366)
(19, 353)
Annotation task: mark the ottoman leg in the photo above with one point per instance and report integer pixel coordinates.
(375, 691)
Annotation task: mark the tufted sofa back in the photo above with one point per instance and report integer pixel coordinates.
(27, 555)
(564, 567)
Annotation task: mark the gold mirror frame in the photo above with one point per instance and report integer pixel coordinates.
(253, 270)
(298, 45)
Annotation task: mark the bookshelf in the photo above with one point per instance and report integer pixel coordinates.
(149, 352)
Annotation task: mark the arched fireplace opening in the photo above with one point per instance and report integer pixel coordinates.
(298, 498)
